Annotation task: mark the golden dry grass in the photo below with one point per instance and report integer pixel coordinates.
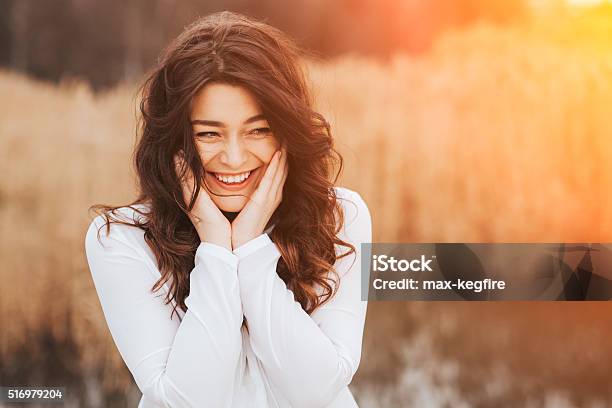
(497, 135)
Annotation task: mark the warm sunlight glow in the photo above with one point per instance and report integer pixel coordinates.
(587, 3)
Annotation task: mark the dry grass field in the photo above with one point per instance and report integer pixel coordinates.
(496, 135)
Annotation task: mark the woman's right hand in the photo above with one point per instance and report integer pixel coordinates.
(210, 223)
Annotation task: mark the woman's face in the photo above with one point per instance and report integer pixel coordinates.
(234, 141)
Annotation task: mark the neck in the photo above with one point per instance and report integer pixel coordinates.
(230, 215)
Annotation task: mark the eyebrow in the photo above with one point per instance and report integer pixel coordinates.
(222, 125)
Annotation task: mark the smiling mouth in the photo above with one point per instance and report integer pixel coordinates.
(235, 179)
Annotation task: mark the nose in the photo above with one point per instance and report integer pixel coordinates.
(234, 154)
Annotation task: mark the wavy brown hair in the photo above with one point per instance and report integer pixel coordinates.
(230, 48)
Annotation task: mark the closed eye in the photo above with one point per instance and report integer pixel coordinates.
(262, 131)
(207, 135)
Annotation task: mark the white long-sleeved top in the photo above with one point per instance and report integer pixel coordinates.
(205, 357)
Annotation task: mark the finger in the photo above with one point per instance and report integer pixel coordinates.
(204, 191)
(266, 181)
(280, 176)
(279, 192)
(182, 170)
(179, 169)
(185, 177)
(285, 173)
(282, 159)
(178, 165)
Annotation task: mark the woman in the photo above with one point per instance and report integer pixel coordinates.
(234, 278)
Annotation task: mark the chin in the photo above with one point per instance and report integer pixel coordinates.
(230, 204)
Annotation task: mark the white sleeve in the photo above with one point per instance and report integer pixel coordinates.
(175, 364)
(309, 358)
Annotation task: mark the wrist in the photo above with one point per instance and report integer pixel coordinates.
(238, 239)
(225, 242)
(216, 237)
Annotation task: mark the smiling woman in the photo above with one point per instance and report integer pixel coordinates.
(238, 224)
(235, 147)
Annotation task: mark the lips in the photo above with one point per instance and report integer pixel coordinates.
(233, 181)
(232, 178)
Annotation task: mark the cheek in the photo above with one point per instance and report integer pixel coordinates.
(266, 149)
(206, 152)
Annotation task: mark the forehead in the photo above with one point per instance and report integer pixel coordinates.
(224, 103)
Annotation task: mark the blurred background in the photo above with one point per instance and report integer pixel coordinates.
(460, 121)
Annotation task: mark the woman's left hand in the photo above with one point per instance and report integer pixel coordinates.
(255, 215)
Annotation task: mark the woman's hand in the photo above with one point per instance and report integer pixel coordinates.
(252, 220)
(210, 223)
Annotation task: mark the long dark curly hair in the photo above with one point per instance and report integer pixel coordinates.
(231, 48)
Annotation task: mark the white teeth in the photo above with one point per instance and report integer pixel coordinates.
(239, 178)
